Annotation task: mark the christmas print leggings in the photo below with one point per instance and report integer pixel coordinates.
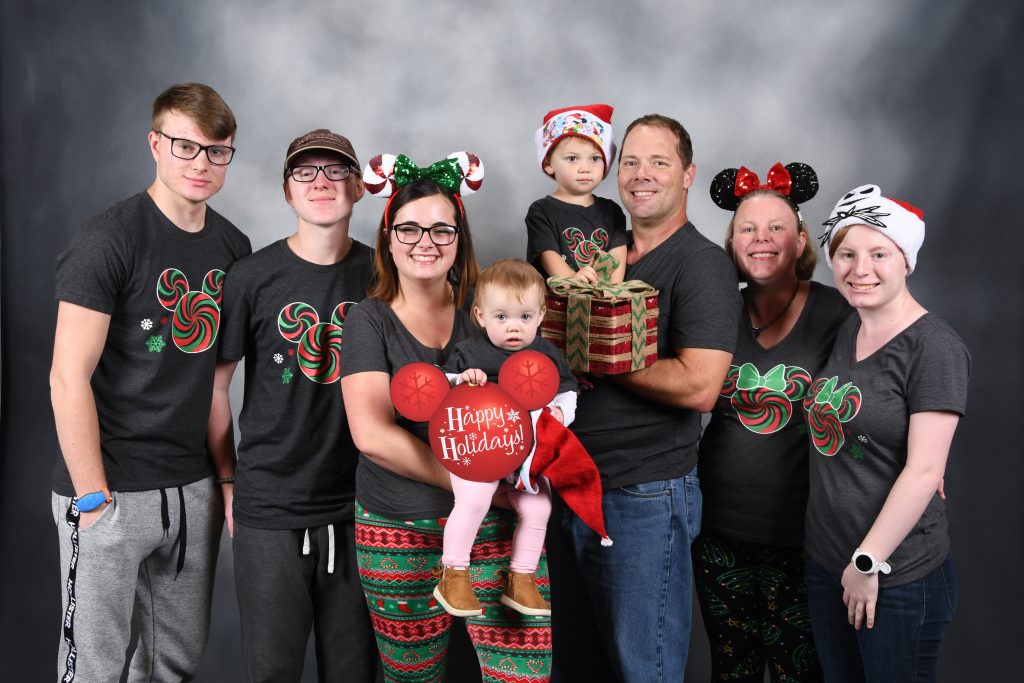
(753, 599)
(395, 558)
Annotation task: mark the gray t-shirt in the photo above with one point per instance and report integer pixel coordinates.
(287, 317)
(753, 454)
(859, 441)
(376, 340)
(634, 440)
(162, 287)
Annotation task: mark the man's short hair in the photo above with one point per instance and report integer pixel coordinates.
(202, 104)
(685, 146)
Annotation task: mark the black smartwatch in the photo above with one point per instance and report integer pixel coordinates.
(91, 501)
(866, 564)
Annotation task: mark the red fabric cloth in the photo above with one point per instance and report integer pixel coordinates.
(561, 458)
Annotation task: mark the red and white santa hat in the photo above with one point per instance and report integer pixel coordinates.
(590, 121)
(865, 205)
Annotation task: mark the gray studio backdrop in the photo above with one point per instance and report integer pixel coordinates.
(919, 97)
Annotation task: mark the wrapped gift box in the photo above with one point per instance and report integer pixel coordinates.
(603, 328)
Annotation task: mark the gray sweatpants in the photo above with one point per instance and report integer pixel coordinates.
(126, 570)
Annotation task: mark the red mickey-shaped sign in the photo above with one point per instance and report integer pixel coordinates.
(417, 390)
(481, 433)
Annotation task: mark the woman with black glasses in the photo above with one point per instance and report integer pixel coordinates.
(424, 267)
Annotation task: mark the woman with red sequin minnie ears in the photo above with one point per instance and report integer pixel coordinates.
(424, 269)
(749, 561)
(881, 415)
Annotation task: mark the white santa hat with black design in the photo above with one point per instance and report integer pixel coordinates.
(865, 205)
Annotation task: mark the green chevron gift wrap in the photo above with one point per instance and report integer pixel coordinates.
(603, 328)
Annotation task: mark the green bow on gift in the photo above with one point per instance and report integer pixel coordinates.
(445, 172)
(579, 296)
(832, 396)
(750, 378)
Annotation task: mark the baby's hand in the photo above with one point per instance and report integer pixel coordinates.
(557, 413)
(473, 376)
(586, 274)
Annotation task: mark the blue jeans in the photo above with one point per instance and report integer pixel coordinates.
(910, 621)
(635, 596)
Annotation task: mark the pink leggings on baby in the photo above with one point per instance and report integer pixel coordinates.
(473, 500)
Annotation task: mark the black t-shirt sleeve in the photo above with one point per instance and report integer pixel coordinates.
(236, 316)
(706, 305)
(94, 268)
(939, 373)
(541, 233)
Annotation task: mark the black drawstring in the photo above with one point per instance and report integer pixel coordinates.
(165, 519)
(182, 532)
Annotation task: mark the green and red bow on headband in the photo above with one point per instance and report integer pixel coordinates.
(460, 172)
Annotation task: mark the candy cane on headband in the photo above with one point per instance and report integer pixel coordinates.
(797, 181)
(460, 172)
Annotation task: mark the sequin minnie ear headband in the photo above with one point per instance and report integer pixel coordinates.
(460, 173)
(796, 181)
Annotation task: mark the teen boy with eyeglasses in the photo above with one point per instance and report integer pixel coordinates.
(137, 509)
(293, 527)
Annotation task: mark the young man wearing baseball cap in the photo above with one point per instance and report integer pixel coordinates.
(136, 497)
(293, 528)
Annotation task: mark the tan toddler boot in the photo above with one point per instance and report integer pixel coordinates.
(455, 592)
(521, 594)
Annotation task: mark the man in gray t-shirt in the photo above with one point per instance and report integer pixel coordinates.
(137, 509)
(642, 429)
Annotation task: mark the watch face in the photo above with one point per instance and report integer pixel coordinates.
(864, 563)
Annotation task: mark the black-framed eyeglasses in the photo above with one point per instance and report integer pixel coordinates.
(440, 234)
(307, 174)
(219, 155)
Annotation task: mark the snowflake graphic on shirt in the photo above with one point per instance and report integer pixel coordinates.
(146, 324)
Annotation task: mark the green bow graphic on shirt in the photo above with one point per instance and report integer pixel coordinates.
(832, 396)
(750, 378)
(445, 172)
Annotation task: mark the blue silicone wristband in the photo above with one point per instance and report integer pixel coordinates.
(91, 501)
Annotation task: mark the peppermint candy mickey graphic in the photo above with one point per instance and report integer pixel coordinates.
(585, 249)
(764, 403)
(484, 433)
(827, 408)
(319, 343)
(196, 315)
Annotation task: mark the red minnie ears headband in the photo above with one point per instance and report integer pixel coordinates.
(797, 181)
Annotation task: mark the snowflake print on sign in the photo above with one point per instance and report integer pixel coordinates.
(583, 249)
(417, 389)
(319, 343)
(195, 314)
(529, 377)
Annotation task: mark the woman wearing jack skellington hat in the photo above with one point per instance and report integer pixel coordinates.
(881, 416)
(749, 561)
